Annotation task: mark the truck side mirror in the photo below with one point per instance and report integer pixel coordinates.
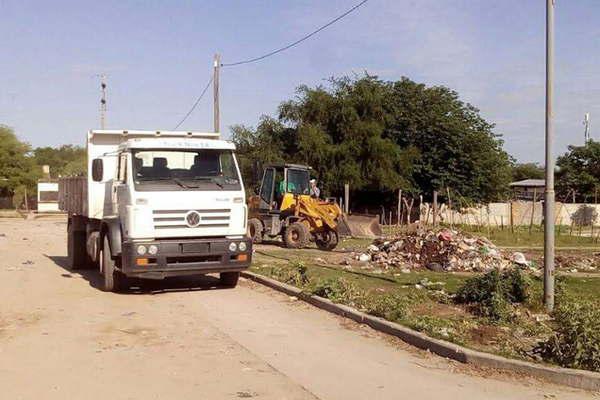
(97, 169)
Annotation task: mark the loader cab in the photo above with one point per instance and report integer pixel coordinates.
(280, 179)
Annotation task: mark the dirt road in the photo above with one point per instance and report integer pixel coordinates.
(62, 338)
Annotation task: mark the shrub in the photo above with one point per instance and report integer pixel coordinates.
(295, 274)
(493, 294)
(391, 306)
(338, 290)
(575, 342)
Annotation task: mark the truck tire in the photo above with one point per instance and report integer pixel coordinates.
(229, 279)
(255, 230)
(296, 235)
(76, 248)
(113, 280)
(327, 240)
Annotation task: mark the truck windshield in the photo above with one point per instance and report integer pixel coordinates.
(185, 170)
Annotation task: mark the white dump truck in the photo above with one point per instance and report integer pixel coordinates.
(155, 205)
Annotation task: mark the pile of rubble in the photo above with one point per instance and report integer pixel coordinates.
(574, 262)
(442, 250)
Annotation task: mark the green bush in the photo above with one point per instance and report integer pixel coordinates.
(493, 294)
(391, 306)
(295, 274)
(575, 342)
(338, 290)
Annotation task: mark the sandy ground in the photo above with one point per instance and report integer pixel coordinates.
(61, 337)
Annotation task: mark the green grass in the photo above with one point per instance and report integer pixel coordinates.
(395, 296)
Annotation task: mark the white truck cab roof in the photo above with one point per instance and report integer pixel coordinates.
(176, 144)
(138, 139)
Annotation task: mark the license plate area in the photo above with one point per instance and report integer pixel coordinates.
(195, 248)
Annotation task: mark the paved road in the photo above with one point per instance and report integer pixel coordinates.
(61, 337)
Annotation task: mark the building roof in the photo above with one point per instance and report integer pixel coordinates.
(530, 183)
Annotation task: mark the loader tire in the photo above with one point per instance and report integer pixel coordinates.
(255, 230)
(296, 236)
(327, 240)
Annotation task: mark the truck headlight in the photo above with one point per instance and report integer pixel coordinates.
(232, 246)
(242, 246)
(141, 250)
(152, 249)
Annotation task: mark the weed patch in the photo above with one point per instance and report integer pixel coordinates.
(575, 342)
(494, 294)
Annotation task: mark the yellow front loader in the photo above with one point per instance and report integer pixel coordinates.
(283, 206)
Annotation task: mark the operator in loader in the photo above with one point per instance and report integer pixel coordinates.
(315, 192)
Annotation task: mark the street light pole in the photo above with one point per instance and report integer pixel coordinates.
(549, 192)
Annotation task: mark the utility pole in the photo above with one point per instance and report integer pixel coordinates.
(586, 122)
(103, 101)
(217, 67)
(549, 191)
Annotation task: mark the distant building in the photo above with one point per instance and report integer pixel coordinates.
(526, 189)
(47, 196)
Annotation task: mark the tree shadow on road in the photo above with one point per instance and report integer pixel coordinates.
(142, 286)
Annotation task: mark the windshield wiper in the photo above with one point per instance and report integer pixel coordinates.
(209, 178)
(182, 184)
(167, 178)
(154, 178)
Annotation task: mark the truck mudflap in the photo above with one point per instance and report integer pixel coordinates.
(159, 259)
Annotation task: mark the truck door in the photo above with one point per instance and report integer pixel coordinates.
(120, 192)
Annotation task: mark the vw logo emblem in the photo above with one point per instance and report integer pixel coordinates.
(192, 218)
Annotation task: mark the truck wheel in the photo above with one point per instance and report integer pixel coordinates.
(296, 235)
(327, 240)
(229, 279)
(255, 230)
(76, 248)
(113, 280)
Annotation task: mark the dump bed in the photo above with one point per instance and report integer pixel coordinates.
(72, 195)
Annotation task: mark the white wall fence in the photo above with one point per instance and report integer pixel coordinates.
(515, 213)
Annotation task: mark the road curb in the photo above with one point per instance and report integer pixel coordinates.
(564, 376)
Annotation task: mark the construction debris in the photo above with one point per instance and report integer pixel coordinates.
(440, 251)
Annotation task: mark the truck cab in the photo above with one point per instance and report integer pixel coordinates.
(160, 204)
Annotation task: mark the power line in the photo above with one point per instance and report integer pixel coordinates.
(333, 21)
(195, 104)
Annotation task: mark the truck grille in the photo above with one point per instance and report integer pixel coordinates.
(191, 219)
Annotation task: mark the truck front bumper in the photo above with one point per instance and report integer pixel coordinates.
(184, 257)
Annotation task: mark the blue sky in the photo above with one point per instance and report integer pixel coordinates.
(158, 57)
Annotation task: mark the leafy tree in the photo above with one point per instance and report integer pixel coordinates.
(256, 148)
(527, 171)
(458, 148)
(340, 133)
(17, 167)
(579, 170)
(64, 160)
(380, 136)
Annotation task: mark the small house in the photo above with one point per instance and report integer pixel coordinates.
(528, 189)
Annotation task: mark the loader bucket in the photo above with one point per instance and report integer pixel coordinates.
(359, 226)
